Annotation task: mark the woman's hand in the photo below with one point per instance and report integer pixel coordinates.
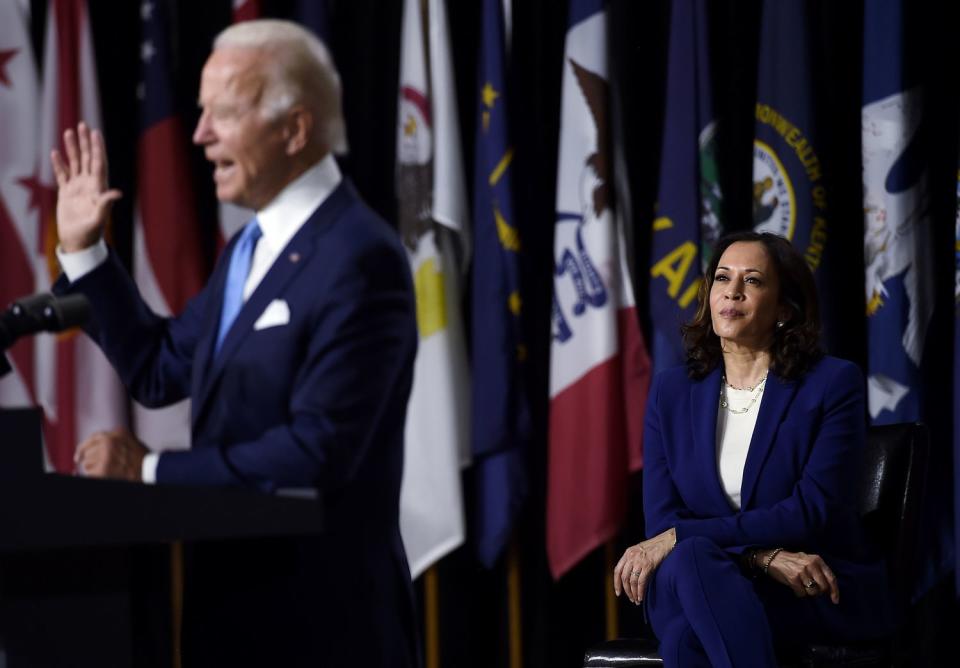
(638, 562)
(83, 200)
(806, 574)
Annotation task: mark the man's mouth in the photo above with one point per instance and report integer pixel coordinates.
(222, 169)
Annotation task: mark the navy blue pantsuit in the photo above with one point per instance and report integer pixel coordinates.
(799, 493)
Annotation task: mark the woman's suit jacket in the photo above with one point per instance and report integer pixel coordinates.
(800, 478)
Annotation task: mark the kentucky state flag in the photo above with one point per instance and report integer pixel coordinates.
(689, 217)
(501, 418)
(897, 226)
(789, 197)
(599, 371)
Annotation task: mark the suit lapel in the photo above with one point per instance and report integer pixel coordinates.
(704, 399)
(288, 264)
(777, 396)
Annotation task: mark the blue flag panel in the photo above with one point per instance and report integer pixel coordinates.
(689, 215)
(501, 422)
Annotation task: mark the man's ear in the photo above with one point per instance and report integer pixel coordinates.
(297, 128)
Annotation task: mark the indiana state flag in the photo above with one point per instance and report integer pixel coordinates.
(789, 197)
(897, 227)
(501, 418)
(689, 214)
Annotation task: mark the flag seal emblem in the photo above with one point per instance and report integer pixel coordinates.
(774, 200)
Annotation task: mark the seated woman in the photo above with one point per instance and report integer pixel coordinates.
(752, 455)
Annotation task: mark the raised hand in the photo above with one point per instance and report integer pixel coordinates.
(83, 199)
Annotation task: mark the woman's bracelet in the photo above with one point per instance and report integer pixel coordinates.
(769, 559)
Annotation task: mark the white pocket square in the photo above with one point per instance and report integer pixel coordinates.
(276, 313)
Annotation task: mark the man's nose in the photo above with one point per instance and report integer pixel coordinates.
(202, 134)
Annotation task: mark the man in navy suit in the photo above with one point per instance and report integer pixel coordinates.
(297, 355)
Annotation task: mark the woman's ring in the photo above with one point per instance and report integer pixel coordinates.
(635, 574)
(811, 585)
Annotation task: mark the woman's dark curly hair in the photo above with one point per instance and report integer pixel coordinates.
(796, 345)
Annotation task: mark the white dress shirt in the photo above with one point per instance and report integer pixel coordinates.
(279, 221)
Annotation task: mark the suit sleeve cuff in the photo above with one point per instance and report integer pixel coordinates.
(148, 470)
(78, 264)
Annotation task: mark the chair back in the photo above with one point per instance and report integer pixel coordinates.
(891, 486)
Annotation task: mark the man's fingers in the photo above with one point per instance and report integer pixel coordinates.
(59, 168)
(98, 156)
(105, 200)
(83, 135)
(73, 154)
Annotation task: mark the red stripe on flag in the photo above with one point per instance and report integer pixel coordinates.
(170, 225)
(17, 282)
(595, 442)
(246, 10)
(635, 377)
(588, 466)
(69, 16)
(61, 434)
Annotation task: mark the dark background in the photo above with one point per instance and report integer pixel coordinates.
(560, 619)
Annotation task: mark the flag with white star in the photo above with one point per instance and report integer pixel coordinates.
(19, 221)
(78, 389)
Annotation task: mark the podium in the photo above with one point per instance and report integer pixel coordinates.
(85, 575)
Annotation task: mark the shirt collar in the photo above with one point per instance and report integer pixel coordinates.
(287, 212)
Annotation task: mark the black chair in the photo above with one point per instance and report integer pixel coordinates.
(891, 487)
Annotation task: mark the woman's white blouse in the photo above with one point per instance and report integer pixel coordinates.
(734, 431)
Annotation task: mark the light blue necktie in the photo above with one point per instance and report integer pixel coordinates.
(236, 277)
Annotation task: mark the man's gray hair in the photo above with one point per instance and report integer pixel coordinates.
(299, 70)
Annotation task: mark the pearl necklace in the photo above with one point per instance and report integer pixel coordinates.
(753, 400)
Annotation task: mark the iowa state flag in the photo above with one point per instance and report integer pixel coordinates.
(689, 210)
(599, 371)
(501, 418)
(789, 196)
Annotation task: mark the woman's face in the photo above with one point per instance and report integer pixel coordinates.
(745, 295)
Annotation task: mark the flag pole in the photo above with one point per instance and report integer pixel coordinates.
(613, 620)
(431, 615)
(176, 600)
(513, 605)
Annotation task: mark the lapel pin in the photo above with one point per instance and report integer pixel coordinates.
(294, 257)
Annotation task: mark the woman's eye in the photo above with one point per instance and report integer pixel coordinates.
(720, 277)
(752, 280)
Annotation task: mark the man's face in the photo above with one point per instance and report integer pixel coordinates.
(251, 164)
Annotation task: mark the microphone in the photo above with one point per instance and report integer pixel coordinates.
(43, 312)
